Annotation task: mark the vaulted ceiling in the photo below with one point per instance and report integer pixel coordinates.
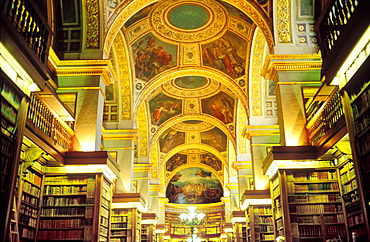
(184, 70)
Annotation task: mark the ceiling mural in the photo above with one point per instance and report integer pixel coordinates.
(211, 160)
(163, 107)
(215, 138)
(189, 61)
(193, 186)
(226, 54)
(152, 56)
(170, 139)
(220, 106)
(176, 161)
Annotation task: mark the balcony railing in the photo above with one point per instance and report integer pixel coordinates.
(27, 19)
(332, 22)
(325, 119)
(56, 131)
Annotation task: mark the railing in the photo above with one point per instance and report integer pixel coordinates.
(30, 23)
(336, 17)
(54, 128)
(327, 118)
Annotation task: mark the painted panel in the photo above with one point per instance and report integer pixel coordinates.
(176, 161)
(163, 107)
(152, 56)
(220, 106)
(194, 186)
(170, 139)
(226, 54)
(215, 138)
(212, 161)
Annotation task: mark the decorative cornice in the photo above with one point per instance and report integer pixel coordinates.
(261, 130)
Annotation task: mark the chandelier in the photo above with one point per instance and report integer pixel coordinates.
(192, 219)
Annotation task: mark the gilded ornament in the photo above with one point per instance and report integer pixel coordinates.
(284, 21)
(92, 34)
(124, 77)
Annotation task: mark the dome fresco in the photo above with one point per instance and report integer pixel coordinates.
(188, 16)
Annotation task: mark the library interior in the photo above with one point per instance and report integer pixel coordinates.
(185, 120)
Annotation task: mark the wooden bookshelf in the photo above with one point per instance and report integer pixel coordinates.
(29, 200)
(124, 223)
(260, 223)
(148, 227)
(315, 206)
(358, 200)
(13, 103)
(105, 207)
(68, 207)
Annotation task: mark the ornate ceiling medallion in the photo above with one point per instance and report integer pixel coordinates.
(186, 87)
(188, 21)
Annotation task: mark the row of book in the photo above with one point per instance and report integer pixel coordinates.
(312, 176)
(263, 220)
(26, 233)
(118, 219)
(26, 198)
(262, 210)
(63, 201)
(64, 211)
(68, 179)
(10, 96)
(29, 211)
(314, 198)
(356, 219)
(121, 225)
(333, 231)
(28, 221)
(315, 209)
(31, 189)
(317, 219)
(63, 223)
(33, 178)
(299, 188)
(61, 234)
(64, 190)
(349, 186)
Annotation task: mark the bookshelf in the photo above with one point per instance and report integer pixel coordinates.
(29, 200)
(148, 227)
(67, 211)
(106, 192)
(359, 117)
(239, 221)
(260, 223)
(315, 206)
(278, 200)
(124, 223)
(12, 119)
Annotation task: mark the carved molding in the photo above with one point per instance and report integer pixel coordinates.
(92, 24)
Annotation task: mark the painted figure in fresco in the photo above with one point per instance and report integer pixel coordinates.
(165, 111)
(186, 187)
(218, 112)
(171, 140)
(175, 161)
(151, 59)
(224, 57)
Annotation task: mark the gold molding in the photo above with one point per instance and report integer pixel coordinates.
(284, 25)
(124, 77)
(143, 131)
(256, 79)
(92, 24)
